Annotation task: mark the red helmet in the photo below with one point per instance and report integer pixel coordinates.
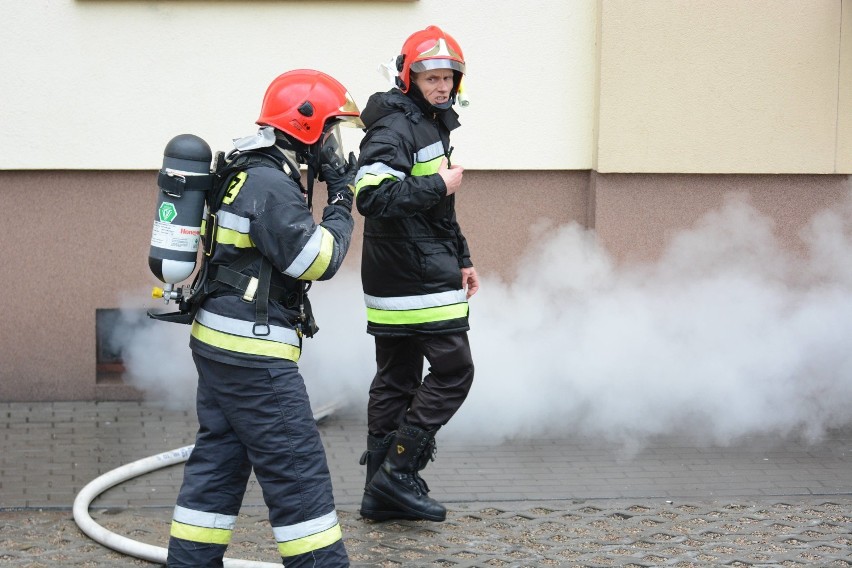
(427, 49)
(300, 102)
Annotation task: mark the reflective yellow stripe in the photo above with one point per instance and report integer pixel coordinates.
(427, 168)
(309, 543)
(372, 180)
(231, 237)
(244, 344)
(320, 265)
(200, 534)
(397, 317)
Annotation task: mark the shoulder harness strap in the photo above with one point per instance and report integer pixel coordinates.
(259, 289)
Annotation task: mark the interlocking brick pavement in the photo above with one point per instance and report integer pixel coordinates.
(595, 533)
(541, 502)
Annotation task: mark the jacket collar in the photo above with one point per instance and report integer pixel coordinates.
(383, 104)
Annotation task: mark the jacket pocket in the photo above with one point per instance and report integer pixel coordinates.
(439, 264)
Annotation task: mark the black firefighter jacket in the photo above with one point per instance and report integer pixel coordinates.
(413, 246)
(264, 211)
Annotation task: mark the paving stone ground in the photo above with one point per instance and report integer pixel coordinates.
(521, 503)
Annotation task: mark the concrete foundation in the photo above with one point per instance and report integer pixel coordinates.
(77, 241)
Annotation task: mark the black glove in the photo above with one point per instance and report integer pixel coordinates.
(338, 178)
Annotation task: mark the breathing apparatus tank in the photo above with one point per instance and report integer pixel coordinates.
(184, 181)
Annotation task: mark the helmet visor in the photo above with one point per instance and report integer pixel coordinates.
(331, 149)
(442, 63)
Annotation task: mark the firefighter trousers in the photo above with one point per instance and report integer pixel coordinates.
(400, 391)
(259, 419)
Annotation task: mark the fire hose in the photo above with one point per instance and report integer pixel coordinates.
(134, 469)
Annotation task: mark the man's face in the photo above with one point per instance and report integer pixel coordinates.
(436, 85)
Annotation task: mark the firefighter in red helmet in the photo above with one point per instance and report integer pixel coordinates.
(253, 410)
(429, 49)
(416, 273)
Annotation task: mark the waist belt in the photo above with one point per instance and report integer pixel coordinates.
(260, 290)
(248, 285)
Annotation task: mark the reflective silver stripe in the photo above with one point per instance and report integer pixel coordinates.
(378, 169)
(202, 519)
(234, 222)
(307, 528)
(308, 255)
(430, 152)
(245, 328)
(416, 302)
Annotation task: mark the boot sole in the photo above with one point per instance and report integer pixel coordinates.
(387, 515)
(416, 515)
(374, 513)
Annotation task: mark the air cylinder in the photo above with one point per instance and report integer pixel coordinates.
(183, 182)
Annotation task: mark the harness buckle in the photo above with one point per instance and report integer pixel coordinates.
(261, 325)
(209, 240)
(176, 184)
(251, 291)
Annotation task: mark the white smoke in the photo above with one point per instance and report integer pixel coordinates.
(156, 355)
(726, 335)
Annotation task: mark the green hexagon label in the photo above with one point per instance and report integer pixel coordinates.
(167, 212)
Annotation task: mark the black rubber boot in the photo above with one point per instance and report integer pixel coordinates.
(396, 481)
(372, 507)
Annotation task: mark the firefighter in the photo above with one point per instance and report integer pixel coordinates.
(416, 273)
(253, 409)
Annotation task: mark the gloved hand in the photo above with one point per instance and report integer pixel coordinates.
(338, 179)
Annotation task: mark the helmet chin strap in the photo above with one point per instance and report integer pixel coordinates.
(311, 177)
(292, 168)
(309, 155)
(304, 155)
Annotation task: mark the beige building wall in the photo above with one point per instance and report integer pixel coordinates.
(632, 119)
(637, 215)
(729, 86)
(104, 84)
(716, 89)
(76, 242)
(844, 98)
